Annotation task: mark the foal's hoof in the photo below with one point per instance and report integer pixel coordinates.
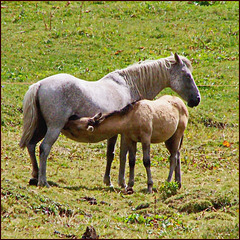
(128, 191)
(33, 181)
(149, 190)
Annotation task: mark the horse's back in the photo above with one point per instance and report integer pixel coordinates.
(59, 97)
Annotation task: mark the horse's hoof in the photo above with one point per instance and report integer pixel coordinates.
(111, 186)
(43, 184)
(33, 181)
(122, 184)
(107, 181)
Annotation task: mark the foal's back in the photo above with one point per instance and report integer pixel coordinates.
(162, 117)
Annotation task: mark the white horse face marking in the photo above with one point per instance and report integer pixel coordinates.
(183, 83)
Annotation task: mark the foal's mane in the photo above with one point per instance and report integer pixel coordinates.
(120, 112)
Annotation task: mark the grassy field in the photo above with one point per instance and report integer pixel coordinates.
(88, 40)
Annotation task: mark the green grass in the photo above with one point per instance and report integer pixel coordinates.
(89, 40)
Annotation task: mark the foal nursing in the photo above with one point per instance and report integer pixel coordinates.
(145, 121)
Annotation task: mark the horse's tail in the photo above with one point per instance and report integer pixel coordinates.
(30, 114)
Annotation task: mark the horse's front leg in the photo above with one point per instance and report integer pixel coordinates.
(132, 161)
(123, 154)
(147, 164)
(110, 155)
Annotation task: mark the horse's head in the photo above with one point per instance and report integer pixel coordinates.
(182, 82)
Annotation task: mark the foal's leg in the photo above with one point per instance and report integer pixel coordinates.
(110, 155)
(123, 153)
(178, 177)
(147, 164)
(132, 160)
(45, 147)
(173, 145)
(173, 165)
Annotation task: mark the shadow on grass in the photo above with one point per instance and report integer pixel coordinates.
(107, 189)
(145, 190)
(81, 187)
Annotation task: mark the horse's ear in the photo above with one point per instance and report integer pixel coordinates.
(178, 59)
(172, 54)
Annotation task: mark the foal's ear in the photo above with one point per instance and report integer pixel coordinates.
(178, 59)
(90, 128)
(97, 116)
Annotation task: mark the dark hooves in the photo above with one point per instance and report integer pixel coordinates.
(128, 191)
(33, 181)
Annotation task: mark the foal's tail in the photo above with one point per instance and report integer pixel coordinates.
(30, 114)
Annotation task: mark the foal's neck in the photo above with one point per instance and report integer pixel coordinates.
(115, 124)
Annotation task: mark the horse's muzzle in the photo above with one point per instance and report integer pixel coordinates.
(194, 102)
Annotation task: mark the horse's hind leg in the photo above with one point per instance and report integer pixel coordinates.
(31, 146)
(110, 155)
(45, 147)
(31, 150)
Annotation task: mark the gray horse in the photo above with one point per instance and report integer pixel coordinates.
(49, 103)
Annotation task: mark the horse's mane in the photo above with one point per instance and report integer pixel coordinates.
(149, 65)
(144, 74)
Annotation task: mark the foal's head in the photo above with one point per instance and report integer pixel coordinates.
(182, 82)
(85, 123)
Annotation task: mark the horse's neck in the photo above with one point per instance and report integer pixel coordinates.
(146, 81)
